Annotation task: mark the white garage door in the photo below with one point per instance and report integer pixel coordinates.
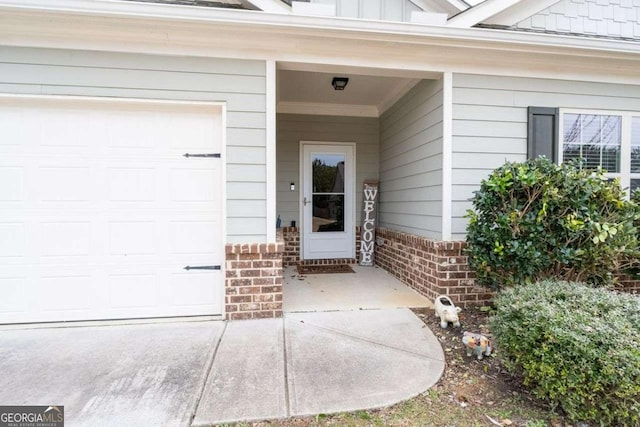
(100, 211)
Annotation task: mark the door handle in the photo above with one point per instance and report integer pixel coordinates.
(305, 201)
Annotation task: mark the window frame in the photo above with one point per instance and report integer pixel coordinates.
(625, 174)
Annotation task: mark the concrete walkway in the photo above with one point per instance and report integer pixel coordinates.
(368, 288)
(310, 363)
(210, 372)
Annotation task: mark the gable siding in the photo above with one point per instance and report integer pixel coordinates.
(384, 10)
(411, 162)
(609, 18)
(239, 83)
(293, 128)
(490, 123)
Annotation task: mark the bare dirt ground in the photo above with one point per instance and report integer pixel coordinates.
(471, 392)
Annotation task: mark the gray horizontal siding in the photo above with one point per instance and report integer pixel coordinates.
(384, 10)
(411, 162)
(239, 83)
(490, 123)
(293, 128)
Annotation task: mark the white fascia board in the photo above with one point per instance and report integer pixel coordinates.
(481, 13)
(519, 12)
(378, 31)
(271, 6)
(149, 28)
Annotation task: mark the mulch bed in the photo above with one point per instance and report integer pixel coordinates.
(324, 269)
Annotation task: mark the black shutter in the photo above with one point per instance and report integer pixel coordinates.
(542, 136)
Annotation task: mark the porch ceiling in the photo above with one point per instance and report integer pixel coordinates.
(309, 92)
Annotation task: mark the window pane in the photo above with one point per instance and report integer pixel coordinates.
(571, 128)
(328, 173)
(635, 183)
(635, 145)
(594, 138)
(328, 212)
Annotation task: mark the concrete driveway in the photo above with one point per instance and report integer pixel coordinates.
(125, 375)
(204, 373)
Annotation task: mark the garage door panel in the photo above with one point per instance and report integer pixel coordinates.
(133, 291)
(12, 179)
(193, 237)
(132, 238)
(193, 185)
(12, 240)
(100, 212)
(13, 301)
(21, 125)
(65, 293)
(132, 184)
(59, 128)
(55, 239)
(195, 288)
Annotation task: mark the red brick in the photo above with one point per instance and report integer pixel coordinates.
(268, 314)
(249, 290)
(239, 282)
(263, 298)
(240, 264)
(261, 264)
(249, 273)
(250, 306)
(240, 316)
(271, 306)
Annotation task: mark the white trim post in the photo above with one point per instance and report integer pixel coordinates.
(447, 153)
(270, 77)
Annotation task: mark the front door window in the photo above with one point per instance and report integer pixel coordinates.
(328, 192)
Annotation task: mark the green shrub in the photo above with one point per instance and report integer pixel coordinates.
(538, 220)
(576, 346)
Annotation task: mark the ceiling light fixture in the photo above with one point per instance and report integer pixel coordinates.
(339, 83)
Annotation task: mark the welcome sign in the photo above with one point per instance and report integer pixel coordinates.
(368, 233)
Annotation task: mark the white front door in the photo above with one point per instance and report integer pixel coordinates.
(328, 172)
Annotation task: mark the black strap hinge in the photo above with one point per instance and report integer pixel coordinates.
(202, 267)
(214, 155)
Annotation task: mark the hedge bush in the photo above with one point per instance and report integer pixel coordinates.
(538, 220)
(576, 346)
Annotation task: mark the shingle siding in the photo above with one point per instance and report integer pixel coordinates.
(605, 18)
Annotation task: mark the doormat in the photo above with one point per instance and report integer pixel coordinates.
(324, 269)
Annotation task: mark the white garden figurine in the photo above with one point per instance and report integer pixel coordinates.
(447, 311)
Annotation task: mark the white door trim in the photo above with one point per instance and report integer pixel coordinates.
(352, 188)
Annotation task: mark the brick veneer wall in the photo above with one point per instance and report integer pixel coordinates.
(429, 266)
(435, 267)
(253, 284)
(291, 236)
